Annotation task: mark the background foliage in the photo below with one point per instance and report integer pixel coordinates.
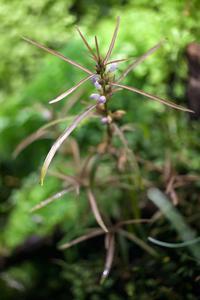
(29, 78)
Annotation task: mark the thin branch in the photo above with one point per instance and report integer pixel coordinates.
(112, 41)
(95, 209)
(82, 238)
(155, 98)
(61, 139)
(71, 90)
(86, 44)
(139, 60)
(58, 55)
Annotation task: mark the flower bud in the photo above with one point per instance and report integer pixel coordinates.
(97, 85)
(118, 114)
(94, 78)
(112, 67)
(102, 99)
(95, 97)
(106, 120)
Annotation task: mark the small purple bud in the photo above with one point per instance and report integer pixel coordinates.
(95, 97)
(94, 78)
(104, 120)
(97, 85)
(102, 99)
(112, 67)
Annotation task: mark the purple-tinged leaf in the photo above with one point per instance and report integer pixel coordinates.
(58, 55)
(155, 98)
(86, 44)
(138, 61)
(71, 90)
(51, 199)
(110, 245)
(112, 41)
(95, 209)
(82, 238)
(61, 139)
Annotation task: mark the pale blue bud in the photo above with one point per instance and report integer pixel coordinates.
(102, 99)
(94, 78)
(104, 120)
(112, 67)
(97, 85)
(95, 97)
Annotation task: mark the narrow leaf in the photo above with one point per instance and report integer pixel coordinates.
(135, 221)
(174, 245)
(36, 135)
(61, 139)
(95, 209)
(71, 90)
(67, 178)
(27, 141)
(58, 55)
(51, 199)
(82, 238)
(97, 48)
(155, 98)
(109, 257)
(132, 237)
(176, 219)
(138, 61)
(86, 44)
(112, 41)
(118, 60)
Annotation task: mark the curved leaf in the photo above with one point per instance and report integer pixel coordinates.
(61, 139)
(155, 98)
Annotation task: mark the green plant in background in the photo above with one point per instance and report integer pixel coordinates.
(106, 84)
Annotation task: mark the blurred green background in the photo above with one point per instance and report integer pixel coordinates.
(29, 78)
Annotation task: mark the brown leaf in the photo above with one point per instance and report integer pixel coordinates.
(132, 237)
(138, 61)
(155, 98)
(109, 256)
(61, 139)
(82, 238)
(97, 48)
(86, 44)
(95, 209)
(57, 54)
(71, 90)
(112, 41)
